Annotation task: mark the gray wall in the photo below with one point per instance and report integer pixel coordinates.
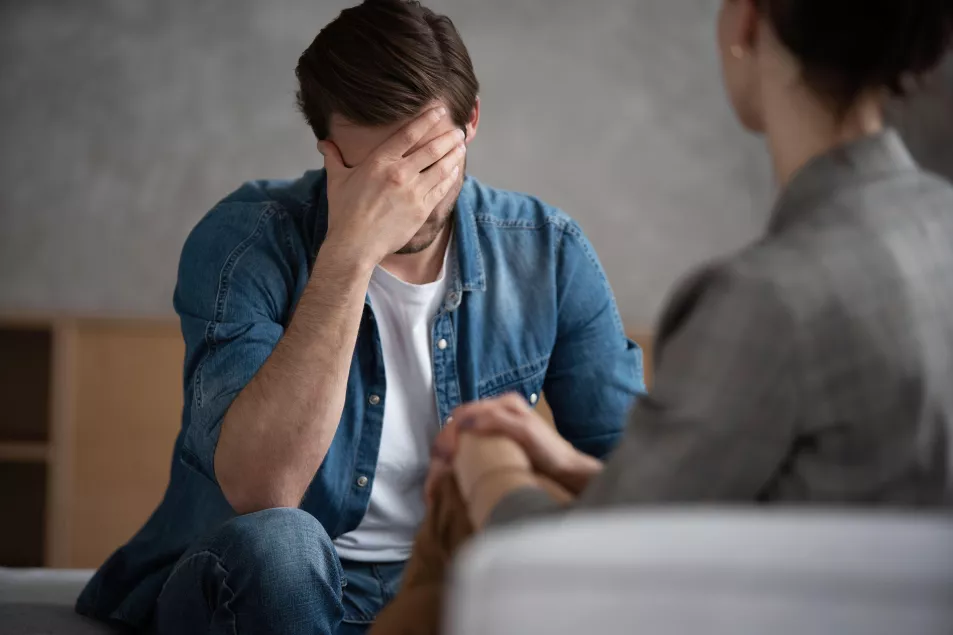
(122, 122)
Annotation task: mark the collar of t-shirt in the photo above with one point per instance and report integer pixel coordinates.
(420, 295)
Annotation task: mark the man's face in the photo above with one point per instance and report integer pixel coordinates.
(356, 143)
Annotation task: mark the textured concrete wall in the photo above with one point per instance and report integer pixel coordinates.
(122, 121)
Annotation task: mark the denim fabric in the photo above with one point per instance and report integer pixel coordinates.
(528, 310)
(368, 589)
(274, 571)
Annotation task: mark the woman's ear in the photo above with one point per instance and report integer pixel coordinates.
(738, 27)
(749, 24)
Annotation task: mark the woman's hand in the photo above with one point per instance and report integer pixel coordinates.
(512, 417)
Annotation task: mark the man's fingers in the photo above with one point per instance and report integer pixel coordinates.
(445, 445)
(515, 402)
(436, 182)
(504, 422)
(333, 162)
(482, 405)
(438, 468)
(441, 190)
(467, 415)
(428, 155)
(466, 408)
(444, 448)
(399, 143)
(495, 417)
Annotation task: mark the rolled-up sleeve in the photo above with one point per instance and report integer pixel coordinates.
(237, 279)
(595, 372)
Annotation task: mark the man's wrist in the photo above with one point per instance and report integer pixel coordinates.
(344, 261)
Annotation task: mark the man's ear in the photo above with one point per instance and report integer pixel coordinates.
(473, 123)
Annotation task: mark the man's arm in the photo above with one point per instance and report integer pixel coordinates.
(595, 372)
(277, 431)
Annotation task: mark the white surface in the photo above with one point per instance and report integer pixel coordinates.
(404, 315)
(710, 573)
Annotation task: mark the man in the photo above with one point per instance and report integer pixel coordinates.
(332, 323)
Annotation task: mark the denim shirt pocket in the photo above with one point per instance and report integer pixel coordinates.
(525, 380)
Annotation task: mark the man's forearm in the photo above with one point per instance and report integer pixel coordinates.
(279, 428)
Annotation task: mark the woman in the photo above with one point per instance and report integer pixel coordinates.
(814, 366)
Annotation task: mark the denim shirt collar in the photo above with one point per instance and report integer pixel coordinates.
(467, 272)
(866, 159)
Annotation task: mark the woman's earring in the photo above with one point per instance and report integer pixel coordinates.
(737, 51)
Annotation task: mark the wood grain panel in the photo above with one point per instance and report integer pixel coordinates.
(128, 402)
(60, 481)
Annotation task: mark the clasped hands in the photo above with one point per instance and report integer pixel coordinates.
(499, 445)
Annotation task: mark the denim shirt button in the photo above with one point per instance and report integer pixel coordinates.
(533, 398)
(374, 400)
(362, 481)
(442, 344)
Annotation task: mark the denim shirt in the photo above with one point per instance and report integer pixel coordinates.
(528, 310)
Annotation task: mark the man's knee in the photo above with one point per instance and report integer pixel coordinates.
(268, 572)
(284, 544)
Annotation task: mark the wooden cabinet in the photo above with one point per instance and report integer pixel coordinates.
(89, 410)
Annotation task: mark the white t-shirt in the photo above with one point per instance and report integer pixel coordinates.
(404, 314)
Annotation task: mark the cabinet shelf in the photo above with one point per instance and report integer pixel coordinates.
(23, 452)
(91, 408)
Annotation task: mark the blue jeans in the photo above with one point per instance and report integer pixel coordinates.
(274, 571)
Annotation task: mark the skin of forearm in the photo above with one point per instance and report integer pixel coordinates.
(278, 430)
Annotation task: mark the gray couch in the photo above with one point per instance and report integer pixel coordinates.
(40, 602)
(721, 572)
(714, 572)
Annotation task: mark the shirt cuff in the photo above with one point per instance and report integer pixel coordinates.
(522, 504)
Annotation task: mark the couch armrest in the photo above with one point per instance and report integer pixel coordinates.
(709, 572)
(42, 586)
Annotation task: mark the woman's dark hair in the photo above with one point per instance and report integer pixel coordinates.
(847, 47)
(382, 62)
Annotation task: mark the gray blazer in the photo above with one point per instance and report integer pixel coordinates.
(813, 367)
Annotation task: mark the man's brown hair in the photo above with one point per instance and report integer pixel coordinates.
(382, 62)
